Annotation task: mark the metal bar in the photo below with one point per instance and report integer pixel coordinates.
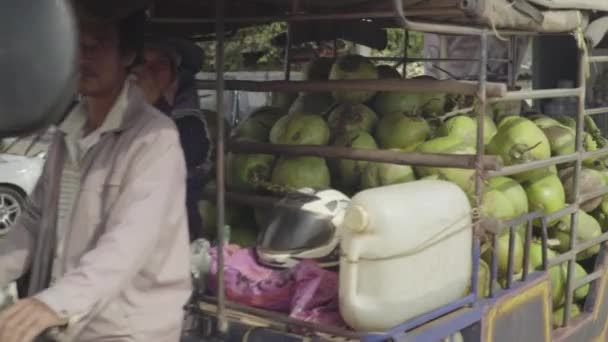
(222, 323)
(580, 125)
(587, 279)
(593, 154)
(511, 256)
(411, 85)
(312, 17)
(537, 94)
(479, 157)
(494, 264)
(598, 59)
(538, 164)
(404, 60)
(563, 257)
(462, 161)
(567, 210)
(527, 245)
(287, 61)
(425, 318)
(596, 111)
(448, 29)
(421, 59)
(543, 241)
(511, 63)
(284, 319)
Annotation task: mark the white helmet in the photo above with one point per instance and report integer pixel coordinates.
(304, 226)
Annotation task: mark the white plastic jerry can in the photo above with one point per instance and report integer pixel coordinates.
(406, 250)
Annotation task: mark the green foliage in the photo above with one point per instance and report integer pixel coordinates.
(257, 39)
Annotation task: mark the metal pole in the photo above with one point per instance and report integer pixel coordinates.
(479, 169)
(580, 125)
(287, 61)
(406, 42)
(222, 324)
(413, 85)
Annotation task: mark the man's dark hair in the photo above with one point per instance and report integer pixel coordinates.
(131, 33)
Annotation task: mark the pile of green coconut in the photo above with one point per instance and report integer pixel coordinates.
(424, 123)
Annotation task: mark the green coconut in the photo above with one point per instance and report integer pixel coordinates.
(502, 253)
(489, 130)
(301, 172)
(484, 276)
(545, 193)
(556, 275)
(394, 102)
(300, 130)
(579, 272)
(567, 121)
(401, 132)
(520, 141)
(462, 127)
(387, 72)
(558, 315)
(312, 103)
(561, 138)
(382, 174)
(347, 173)
(282, 100)
(497, 205)
(506, 120)
(505, 109)
(244, 171)
(258, 125)
(587, 229)
(589, 181)
(351, 118)
(353, 67)
(448, 145)
(513, 191)
(423, 104)
(543, 121)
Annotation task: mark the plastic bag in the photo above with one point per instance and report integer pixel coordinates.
(306, 292)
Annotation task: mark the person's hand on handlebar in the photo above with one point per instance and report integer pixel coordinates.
(27, 319)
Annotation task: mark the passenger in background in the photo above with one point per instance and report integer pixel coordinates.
(167, 77)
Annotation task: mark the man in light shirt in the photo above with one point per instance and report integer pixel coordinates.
(104, 234)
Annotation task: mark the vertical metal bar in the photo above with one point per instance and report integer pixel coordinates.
(287, 58)
(580, 125)
(494, 266)
(406, 45)
(335, 48)
(511, 64)
(222, 324)
(479, 176)
(544, 238)
(527, 245)
(511, 256)
(474, 284)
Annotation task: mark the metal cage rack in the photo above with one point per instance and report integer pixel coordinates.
(217, 314)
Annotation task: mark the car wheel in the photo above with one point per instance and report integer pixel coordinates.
(11, 205)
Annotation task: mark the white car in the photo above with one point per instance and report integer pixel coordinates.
(21, 162)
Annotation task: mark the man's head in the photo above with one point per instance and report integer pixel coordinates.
(107, 53)
(157, 74)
